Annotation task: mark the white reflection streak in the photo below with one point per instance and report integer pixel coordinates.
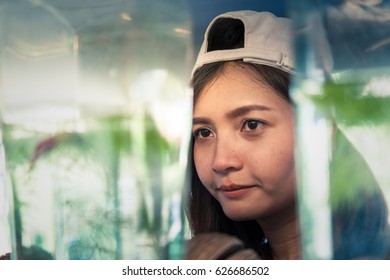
(166, 100)
(126, 17)
(378, 87)
(315, 183)
(182, 31)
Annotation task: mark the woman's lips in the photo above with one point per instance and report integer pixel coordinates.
(234, 191)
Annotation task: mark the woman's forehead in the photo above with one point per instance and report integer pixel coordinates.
(236, 87)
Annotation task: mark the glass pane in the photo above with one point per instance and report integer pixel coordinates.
(91, 92)
(342, 96)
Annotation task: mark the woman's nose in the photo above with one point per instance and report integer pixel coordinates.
(226, 156)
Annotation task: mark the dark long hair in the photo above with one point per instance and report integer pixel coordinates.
(205, 212)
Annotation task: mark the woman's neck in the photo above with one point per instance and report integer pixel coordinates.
(283, 235)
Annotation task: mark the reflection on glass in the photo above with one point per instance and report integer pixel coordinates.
(5, 240)
(343, 116)
(95, 117)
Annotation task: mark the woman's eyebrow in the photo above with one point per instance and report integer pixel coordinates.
(203, 121)
(246, 109)
(240, 111)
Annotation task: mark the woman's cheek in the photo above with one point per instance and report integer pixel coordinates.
(203, 168)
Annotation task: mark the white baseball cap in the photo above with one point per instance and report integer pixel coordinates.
(267, 40)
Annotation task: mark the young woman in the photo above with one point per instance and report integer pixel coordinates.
(243, 175)
(243, 134)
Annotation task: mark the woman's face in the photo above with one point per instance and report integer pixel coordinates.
(244, 144)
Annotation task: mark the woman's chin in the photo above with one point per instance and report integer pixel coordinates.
(239, 215)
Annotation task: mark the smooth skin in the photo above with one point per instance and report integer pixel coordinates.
(244, 155)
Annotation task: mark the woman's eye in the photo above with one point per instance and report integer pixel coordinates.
(250, 125)
(203, 133)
